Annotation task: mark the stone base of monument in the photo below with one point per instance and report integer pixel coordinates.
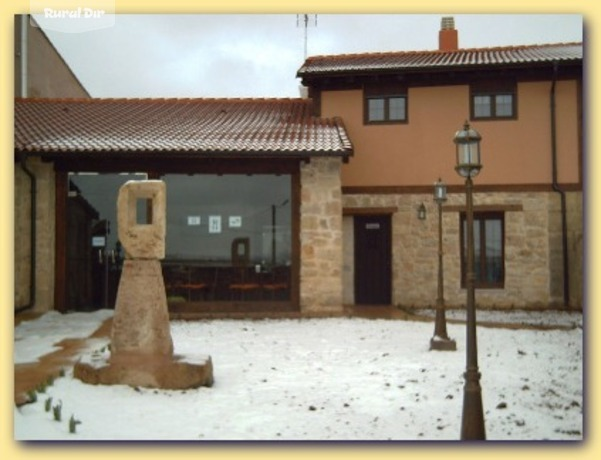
(176, 372)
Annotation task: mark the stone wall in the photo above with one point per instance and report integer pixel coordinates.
(533, 269)
(321, 236)
(45, 229)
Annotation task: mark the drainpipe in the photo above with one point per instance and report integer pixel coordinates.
(24, 54)
(33, 192)
(562, 193)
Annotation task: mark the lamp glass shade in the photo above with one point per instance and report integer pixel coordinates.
(440, 191)
(467, 143)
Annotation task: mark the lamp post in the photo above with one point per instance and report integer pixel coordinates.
(441, 340)
(467, 143)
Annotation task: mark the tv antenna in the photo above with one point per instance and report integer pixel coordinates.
(306, 20)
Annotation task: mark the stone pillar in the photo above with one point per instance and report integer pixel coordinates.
(45, 232)
(321, 236)
(141, 321)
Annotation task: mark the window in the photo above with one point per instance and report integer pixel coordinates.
(385, 103)
(386, 109)
(493, 100)
(229, 237)
(489, 257)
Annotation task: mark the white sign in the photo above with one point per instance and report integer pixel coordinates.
(214, 224)
(98, 241)
(235, 221)
(193, 220)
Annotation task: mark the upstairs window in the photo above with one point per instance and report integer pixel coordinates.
(386, 109)
(385, 103)
(493, 101)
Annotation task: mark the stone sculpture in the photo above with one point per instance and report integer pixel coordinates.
(141, 352)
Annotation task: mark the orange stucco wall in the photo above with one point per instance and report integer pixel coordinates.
(418, 152)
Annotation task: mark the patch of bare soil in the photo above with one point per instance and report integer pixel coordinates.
(32, 376)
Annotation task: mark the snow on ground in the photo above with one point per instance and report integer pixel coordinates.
(37, 338)
(322, 379)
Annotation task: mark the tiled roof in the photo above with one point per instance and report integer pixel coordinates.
(176, 127)
(439, 60)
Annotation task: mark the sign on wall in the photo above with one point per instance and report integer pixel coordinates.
(214, 224)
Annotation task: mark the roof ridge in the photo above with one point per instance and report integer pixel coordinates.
(437, 51)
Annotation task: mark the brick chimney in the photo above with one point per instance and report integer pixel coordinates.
(448, 39)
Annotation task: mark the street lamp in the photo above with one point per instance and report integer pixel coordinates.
(467, 143)
(441, 340)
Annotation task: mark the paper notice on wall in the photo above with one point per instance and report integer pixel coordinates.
(193, 220)
(235, 221)
(214, 224)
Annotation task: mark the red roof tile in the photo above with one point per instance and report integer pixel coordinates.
(433, 60)
(176, 127)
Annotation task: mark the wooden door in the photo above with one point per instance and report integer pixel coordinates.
(373, 260)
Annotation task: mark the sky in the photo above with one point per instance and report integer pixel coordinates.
(299, 380)
(258, 55)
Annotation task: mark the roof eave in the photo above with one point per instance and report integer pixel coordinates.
(54, 154)
(305, 76)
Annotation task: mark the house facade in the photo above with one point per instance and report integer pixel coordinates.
(401, 111)
(307, 205)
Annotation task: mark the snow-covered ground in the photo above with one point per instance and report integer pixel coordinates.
(323, 379)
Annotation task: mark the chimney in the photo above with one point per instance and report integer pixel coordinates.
(448, 39)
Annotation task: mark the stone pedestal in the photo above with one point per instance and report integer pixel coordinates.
(151, 371)
(141, 352)
(141, 321)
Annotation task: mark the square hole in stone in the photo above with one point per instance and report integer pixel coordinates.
(144, 211)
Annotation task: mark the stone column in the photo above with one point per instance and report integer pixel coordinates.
(321, 236)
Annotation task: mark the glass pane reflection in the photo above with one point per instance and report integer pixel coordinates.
(228, 237)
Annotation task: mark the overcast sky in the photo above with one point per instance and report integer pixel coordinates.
(259, 55)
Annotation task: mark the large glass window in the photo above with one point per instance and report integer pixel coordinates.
(94, 254)
(489, 260)
(228, 237)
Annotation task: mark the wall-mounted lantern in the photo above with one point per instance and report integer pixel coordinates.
(421, 212)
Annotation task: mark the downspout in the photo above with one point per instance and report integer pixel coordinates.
(562, 193)
(33, 229)
(24, 54)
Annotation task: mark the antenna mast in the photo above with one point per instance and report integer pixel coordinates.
(305, 18)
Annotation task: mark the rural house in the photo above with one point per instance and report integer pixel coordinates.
(306, 205)
(401, 111)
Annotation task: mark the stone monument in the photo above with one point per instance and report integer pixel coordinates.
(141, 351)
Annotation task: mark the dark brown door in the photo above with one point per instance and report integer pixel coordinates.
(373, 260)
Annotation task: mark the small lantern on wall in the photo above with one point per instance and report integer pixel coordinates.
(467, 144)
(421, 212)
